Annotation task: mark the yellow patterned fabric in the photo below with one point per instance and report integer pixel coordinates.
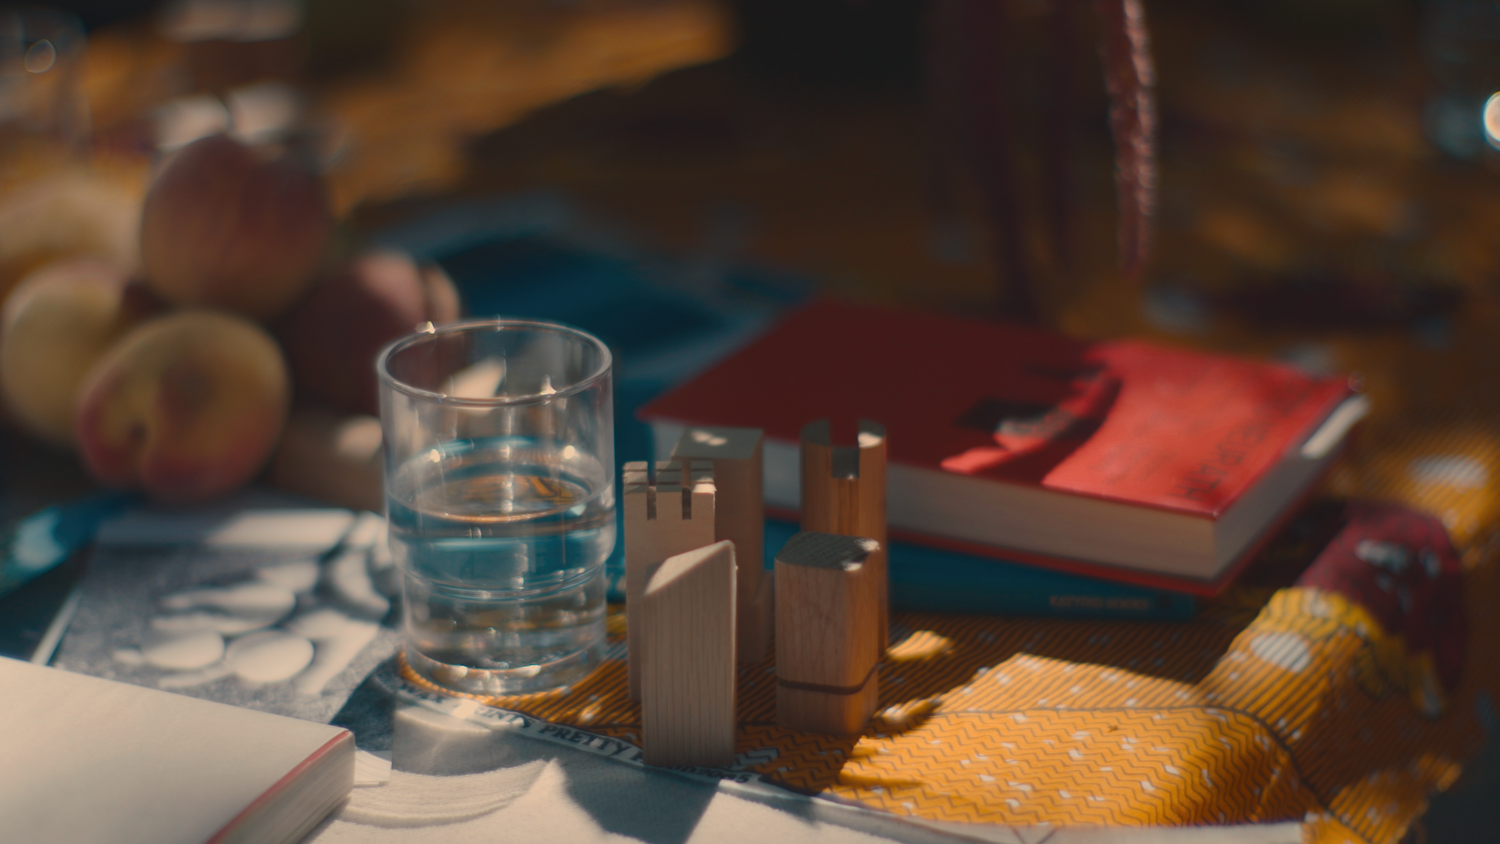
(1302, 710)
(1278, 702)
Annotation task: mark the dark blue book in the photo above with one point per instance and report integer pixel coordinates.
(925, 579)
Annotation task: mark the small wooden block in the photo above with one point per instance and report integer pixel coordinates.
(739, 516)
(843, 491)
(661, 520)
(827, 649)
(688, 666)
(763, 607)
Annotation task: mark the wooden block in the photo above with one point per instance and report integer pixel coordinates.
(827, 648)
(739, 516)
(688, 665)
(763, 607)
(661, 520)
(843, 491)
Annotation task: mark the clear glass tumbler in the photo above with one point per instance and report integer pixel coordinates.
(499, 473)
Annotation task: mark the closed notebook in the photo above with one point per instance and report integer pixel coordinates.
(1139, 462)
(86, 759)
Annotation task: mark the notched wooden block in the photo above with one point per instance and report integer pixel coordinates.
(843, 491)
(827, 626)
(735, 455)
(688, 665)
(662, 519)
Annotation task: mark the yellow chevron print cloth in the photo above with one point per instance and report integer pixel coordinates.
(1288, 713)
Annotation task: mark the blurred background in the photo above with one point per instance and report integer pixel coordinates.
(1325, 158)
(1315, 181)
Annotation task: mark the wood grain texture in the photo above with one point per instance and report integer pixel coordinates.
(739, 516)
(826, 633)
(688, 664)
(663, 518)
(843, 491)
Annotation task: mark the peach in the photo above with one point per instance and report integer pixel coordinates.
(67, 215)
(332, 336)
(186, 407)
(441, 295)
(55, 324)
(331, 457)
(228, 226)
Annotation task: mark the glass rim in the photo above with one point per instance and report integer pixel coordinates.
(430, 332)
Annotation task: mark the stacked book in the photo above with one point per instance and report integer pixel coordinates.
(1031, 473)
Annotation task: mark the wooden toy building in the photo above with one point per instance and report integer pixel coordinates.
(699, 600)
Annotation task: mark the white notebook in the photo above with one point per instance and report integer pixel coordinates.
(88, 759)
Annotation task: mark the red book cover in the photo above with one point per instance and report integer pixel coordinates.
(1125, 421)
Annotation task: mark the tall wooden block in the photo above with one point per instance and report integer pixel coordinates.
(665, 515)
(843, 491)
(739, 516)
(688, 665)
(827, 620)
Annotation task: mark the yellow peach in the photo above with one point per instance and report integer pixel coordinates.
(186, 407)
(55, 324)
(67, 215)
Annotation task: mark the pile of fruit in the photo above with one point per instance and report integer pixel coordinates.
(166, 339)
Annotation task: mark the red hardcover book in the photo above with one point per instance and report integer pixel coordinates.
(1123, 459)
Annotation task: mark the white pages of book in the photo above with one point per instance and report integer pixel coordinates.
(89, 759)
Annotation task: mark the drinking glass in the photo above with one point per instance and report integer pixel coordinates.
(499, 479)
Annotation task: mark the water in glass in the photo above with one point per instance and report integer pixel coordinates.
(502, 545)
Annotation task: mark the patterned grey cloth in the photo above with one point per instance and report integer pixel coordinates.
(238, 618)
